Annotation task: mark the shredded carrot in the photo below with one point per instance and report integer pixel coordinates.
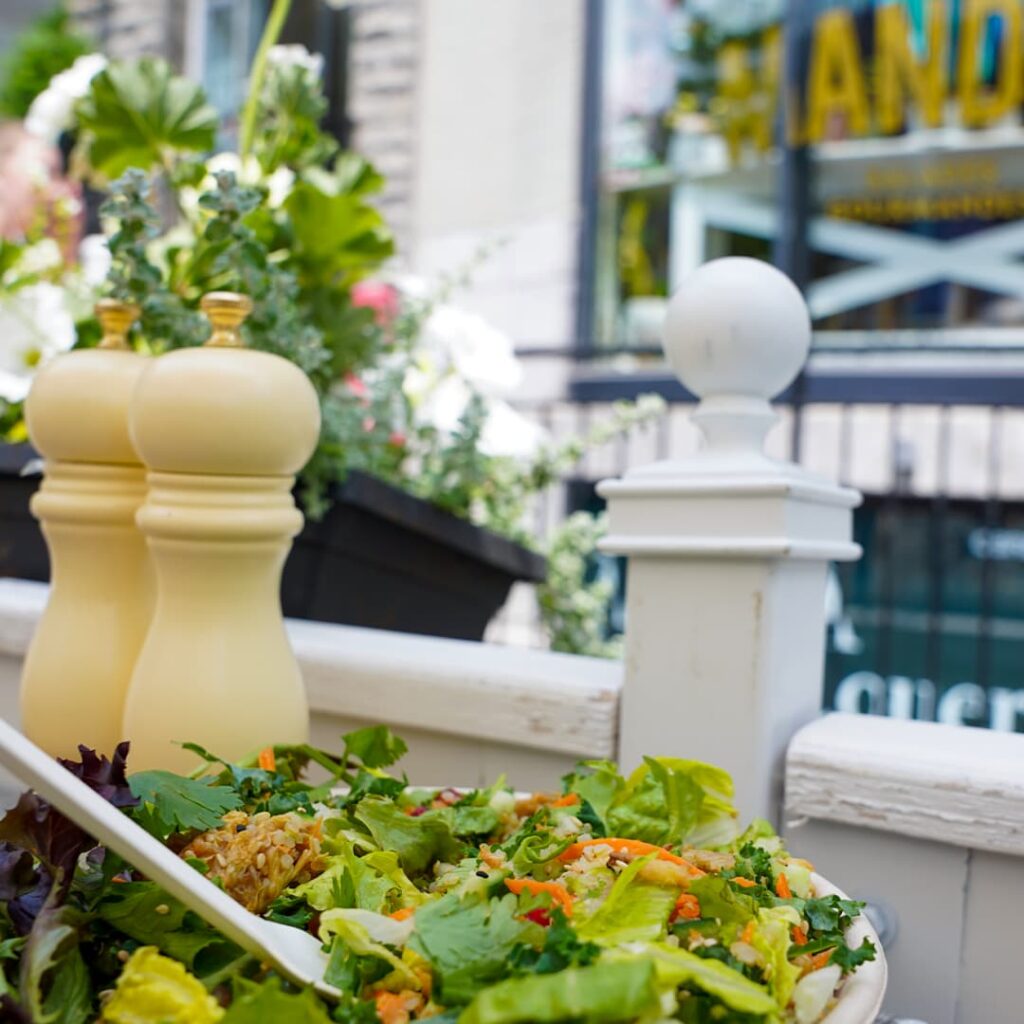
(634, 847)
(743, 883)
(799, 936)
(402, 914)
(782, 889)
(391, 1008)
(267, 760)
(818, 961)
(687, 907)
(747, 935)
(569, 800)
(558, 893)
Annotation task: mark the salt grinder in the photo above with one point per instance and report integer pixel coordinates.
(222, 431)
(84, 649)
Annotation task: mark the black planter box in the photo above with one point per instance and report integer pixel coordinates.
(382, 558)
(378, 558)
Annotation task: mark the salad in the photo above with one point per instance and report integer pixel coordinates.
(617, 898)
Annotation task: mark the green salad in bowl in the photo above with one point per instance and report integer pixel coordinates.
(630, 898)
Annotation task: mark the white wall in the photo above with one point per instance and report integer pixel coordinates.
(498, 145)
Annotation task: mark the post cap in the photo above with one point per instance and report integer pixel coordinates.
(226, 312)
(116, 318)
(737, 326)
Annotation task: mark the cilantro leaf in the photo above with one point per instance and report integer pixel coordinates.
(375, 746)
(173, 803)
(849, 958)
(831, 913)
(562, 948)
(468, 941)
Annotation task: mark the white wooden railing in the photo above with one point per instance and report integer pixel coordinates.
(724, 647)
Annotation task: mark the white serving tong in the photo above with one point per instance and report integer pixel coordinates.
(294, 952)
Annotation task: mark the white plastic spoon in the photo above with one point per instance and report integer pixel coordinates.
(295, 953)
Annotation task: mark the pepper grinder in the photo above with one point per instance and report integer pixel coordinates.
(222, 430)
(81, 658)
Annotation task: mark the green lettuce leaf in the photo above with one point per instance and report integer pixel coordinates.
(677, 967)
(269, 1002)
(417, 841)
(348, 881)
(668, 800)
(720, 901)
(599, 785)
(468, 941)
(599, 994)
(146, 913)
(369, 935)
(772, 939)
(633, 910)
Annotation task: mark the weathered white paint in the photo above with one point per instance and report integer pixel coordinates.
(963, 786)
(480, 703)
(728, 548)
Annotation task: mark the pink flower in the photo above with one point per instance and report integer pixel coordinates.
(368, 424)
(396, 439)
(379, 296)
(356, 385)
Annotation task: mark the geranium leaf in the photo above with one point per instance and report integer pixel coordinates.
(138, 112)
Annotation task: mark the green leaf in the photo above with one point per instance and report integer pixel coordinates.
(599, 994)
(632, 911)
(417, 841)
(348, 881)
(719, 901)
(468, 941)
(174, 803)
(376, 746)
(599, 786)
(146, 913)
(138, 113)
(562, 948)
(54, 981)
(676, 967)
(261, 1004)
(849, 958)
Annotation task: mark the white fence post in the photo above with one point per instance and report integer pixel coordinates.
(728, 550)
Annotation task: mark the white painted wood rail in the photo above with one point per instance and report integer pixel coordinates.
(925, 821)
(469, 711)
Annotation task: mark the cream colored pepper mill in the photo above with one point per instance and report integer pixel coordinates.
(222, 430)
(82, 655)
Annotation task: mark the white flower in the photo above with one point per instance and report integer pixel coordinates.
(35, 326)
(40, 257)
(94, 257)
(296, 55)
(509, 433)
(246, 172)
(480, 353)
(50, 112)
(279, 185)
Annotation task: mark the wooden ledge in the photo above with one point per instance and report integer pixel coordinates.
(560, 703)
(950, 784)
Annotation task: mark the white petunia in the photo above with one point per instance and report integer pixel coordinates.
(40, 257)
(279, 185)
(296, 55)
(480, 353)
(35, 326)
(508, 433)
(94, 258)
(51, 111)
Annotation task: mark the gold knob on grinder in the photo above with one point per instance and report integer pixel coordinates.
(226, 312)
(116, 318)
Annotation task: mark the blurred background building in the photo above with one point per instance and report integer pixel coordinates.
(598, 150)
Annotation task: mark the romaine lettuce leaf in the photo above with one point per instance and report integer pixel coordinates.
(633, 910)
(772, 939)
(599, 994)
(369, 934)
(719, 900)
(598, 786)
(269, 1002)
(677, 967)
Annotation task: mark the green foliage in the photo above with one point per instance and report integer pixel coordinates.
(562, 948)
(171, 803)
(140, 114)
(47, 47)
(271, 1001)
(574, 603)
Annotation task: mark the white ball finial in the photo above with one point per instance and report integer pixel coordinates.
(737, 333)
(737, 326)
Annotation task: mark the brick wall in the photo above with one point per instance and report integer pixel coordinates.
(131, 28)
(383, 77)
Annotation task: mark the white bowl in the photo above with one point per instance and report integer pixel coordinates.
(860, 999)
